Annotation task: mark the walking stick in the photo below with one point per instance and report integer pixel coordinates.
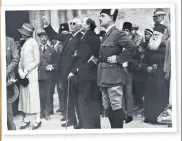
(67, 105)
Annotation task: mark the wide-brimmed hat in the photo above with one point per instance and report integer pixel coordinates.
(159, 11)
(27, 29)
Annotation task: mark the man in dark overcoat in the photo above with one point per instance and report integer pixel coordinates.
(71, 43)
(89, 97)
(116, 48)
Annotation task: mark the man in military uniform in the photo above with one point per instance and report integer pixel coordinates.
(116, 48)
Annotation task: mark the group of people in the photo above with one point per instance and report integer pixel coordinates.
(110, 73)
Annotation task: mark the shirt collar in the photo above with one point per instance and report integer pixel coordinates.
(76, 32)
(42, 46)
(107, 30)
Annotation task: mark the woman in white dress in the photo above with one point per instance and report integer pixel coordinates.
(29, 100)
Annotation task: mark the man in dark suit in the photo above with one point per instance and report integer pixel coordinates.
(116, 48)
(71, 43)
(47, 66)
(58, 46)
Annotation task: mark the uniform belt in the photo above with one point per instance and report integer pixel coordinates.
(102, 59)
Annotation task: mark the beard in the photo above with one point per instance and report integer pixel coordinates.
(154, 43)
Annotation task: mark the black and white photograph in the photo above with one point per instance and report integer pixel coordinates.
(89, 68)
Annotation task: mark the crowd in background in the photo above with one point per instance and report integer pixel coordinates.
(111, 73)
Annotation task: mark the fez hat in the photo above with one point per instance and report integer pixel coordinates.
(110, 12)
(150, 31)
(159, 11)
(127, 25)
(42, 33)
(134, 26)
(63, 27)
(160, 28)
(27, 29)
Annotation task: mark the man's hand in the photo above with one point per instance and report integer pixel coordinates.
(112, 59)
(49, 68)
(149, 69)
(155, 66)
(45, 22)
(70, 75)
(25, 72)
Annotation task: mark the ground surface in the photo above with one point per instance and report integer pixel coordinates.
(55, 122)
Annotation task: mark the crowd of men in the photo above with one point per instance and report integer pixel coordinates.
(111, 73)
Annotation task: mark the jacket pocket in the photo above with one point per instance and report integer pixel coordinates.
(111, 74)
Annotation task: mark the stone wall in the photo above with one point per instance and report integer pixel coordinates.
(140, 16)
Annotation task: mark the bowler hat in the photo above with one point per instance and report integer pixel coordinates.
(27, 29)
(110, 12)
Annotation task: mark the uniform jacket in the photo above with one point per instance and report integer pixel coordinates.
(116, 43)
(137, 39)
(47, 58)
(89, 45)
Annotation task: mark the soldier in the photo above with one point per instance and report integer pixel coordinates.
(110, 70)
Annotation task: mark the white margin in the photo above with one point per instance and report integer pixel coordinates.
(90, 131)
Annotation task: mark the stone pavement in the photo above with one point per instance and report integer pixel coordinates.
(55, 122)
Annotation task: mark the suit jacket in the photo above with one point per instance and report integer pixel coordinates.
(89, 45)
(47, 58)
(12, 59)
(116, 43)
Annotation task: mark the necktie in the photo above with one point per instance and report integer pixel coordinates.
(44, 49)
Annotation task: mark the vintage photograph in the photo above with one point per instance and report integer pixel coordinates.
(88, 68)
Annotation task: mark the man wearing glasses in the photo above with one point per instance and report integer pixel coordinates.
(71, 43)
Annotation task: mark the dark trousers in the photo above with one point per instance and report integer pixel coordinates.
(71, 101)
(10, 123)
(128, 96)
(45, 96)
(89, 104)
(52, 87)
(138, 88)
(60, 91)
